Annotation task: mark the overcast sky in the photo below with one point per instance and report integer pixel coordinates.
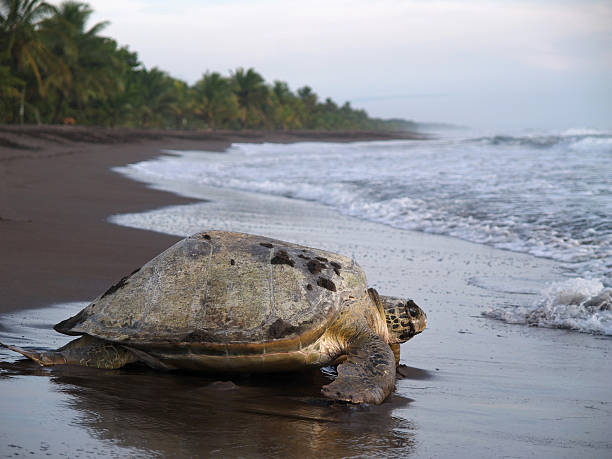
(494, 64)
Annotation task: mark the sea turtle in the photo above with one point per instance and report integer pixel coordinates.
(227, 302)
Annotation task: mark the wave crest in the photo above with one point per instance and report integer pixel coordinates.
(576, 304)
(574, 139)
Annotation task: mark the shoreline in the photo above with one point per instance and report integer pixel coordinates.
(57, 191)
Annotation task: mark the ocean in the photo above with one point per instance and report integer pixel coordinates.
(548, 194)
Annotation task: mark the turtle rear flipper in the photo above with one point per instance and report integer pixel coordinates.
(367, 375)
(85, 351)
(42, 358)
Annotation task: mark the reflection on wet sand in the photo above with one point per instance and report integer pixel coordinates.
(183, 414)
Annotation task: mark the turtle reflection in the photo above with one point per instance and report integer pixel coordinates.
(184, 415)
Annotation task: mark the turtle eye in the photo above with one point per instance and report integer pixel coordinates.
(412, 308)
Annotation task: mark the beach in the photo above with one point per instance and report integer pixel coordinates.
(74, 219)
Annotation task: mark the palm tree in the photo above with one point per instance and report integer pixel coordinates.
(10, 90)
(180, 103)
(90, 59)
(158, 98)
(216, 104)
(308, 96)
(252, 94)
(285, 107)
(120, 108)
(23, 49)
(309, 104)
(282, 93)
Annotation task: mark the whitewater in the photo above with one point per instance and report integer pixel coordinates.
(548, 194)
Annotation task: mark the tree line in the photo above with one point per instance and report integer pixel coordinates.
(55, 69)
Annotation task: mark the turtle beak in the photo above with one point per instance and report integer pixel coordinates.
(417, 315)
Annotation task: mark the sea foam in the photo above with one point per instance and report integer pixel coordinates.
(576, 304)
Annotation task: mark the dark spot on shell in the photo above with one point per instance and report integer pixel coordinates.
(315, 266)
(113, 288)
(282, 258)
(280, 329)
(304, 257)
(266, 244)
(395, 326)
(323, 259)
(326, 283)
(309, 287)
(335, 265)
(207, 237)
(337, 271)
(232, 262)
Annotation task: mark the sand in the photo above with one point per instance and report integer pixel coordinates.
(475, 387)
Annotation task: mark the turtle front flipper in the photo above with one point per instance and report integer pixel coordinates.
(395, 347)
(368, 373)
(85, 351)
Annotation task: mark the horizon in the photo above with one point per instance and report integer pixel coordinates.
(488, 65)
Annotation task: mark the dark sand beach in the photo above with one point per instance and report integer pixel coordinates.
(473, 387)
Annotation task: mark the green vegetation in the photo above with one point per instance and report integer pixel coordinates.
(53, 69)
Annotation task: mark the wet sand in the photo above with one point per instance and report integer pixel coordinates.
(474, 387)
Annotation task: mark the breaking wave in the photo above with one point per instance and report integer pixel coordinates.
(575, 304)
(573, 139)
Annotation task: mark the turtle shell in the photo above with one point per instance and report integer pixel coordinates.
(224, 289)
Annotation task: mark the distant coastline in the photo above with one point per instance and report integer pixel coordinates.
(17, 140)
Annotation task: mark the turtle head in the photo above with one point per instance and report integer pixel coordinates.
(404, 318)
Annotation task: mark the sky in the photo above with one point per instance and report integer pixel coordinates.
(490, 64)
